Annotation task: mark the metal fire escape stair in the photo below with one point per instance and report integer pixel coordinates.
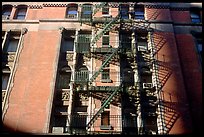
(106, 62)
(107, 102)
(104, 30)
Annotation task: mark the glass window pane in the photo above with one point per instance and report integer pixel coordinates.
(105, 40)
(21, 13)
(72, 12)
(105, 118)
(67, 45)
(64, 80)
(199, 46)
(12, 45)
(5, 78)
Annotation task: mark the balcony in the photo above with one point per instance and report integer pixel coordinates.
(81, 76)
(83, 44)
(102, 19)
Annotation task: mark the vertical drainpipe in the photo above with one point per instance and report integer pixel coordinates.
(55, 68)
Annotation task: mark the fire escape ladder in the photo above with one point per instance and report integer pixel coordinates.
(98, 7)
(107, 102)
(105, 63)
(104, 30)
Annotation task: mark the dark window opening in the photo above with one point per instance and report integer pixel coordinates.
(64, 78)
(105, 40)
(86, 11)
(105, 10)
(11, 45)
(105, 118)
(6, 11)
(124, 11)
(5, 78)
(72, 11)
(139, 12)
(199, 46)
(21, 12)
(195, 16)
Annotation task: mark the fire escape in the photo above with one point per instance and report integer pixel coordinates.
(145, 92)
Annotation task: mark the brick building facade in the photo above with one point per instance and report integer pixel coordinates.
(95, 68)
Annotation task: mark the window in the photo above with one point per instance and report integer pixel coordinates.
(195, 15)
(72, 10)
(105, 10)
(64, 78)
(105, 118)
(86, 12)
(6, 11)
(199, 46)
(105, 40)
(124, 11)
(67, 45)
(139, 12)
(12, 45)
(128, 76)
(5, 77)
(82, 74)
(125, 39)
(105, 74)
(21, 12)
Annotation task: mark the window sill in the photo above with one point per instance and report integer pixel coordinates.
(106, 80)
(106, 127)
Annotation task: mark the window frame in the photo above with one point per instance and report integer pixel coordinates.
(86, 14)
(21, 13)
(124, 11)
(199, 52)
(6, 8)
(104, 115)
(64, 73)
(74, 8)
(139, 12)
(105, 10)
(195, 16)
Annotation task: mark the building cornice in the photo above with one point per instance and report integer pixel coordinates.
(55, 5)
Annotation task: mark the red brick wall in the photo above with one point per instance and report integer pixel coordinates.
(53, 13)
(181, 16)
(33, 14)
(174, 86)
(157, 14)
(192, 75)
(29, 102)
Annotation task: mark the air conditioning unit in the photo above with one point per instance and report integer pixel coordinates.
(147, 85)
(5, 17)
(142, 48)
(57, 130)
